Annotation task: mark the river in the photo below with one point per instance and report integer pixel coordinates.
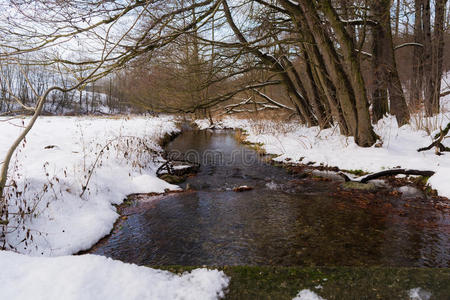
(286, 219)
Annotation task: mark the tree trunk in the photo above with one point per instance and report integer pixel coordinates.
(307, 88)
(365, 136)
(322, 80)
(347, 13)
(417, 63)
(427, 59)
(397, 19)
(438, 53)
(385, 68)
(334, 69)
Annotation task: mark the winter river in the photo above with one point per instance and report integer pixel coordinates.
(286, 219)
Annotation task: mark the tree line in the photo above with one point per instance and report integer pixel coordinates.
(328, 62)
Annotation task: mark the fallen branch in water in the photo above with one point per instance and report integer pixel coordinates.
(391, 172)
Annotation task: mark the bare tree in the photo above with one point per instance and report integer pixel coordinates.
(387, 81)
(113, 40)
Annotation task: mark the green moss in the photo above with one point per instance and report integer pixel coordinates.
(277, 164)
(421, 180)
(358, 186)
(127, 202)
(264, 282)
(430, 191)
(174, 179)
(356, 172)
(258, 147)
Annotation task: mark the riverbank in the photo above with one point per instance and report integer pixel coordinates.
(295, 144)
(70, 173)
(69, 179)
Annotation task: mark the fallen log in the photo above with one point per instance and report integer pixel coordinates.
(366, 178)
(177, 167)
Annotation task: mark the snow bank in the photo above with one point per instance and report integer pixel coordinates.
(294, 142)
(98, 277)
(56, 161)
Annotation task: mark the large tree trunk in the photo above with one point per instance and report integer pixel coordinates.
(334, 69)
(385, 68)
(417, 63)
(322, 80)
(308, 88)
(365, 136)
(438, 53)
(427, 59)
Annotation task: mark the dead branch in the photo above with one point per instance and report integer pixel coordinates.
(437, 142)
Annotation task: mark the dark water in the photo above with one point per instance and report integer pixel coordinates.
(284, 220)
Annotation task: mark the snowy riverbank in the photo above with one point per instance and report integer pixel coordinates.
(49, 173)
(296, 143)
(56, 162)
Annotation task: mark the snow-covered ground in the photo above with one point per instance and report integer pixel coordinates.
(98, 277)
(57, 160)
(296, 143)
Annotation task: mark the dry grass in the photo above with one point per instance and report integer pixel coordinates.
(428, 124)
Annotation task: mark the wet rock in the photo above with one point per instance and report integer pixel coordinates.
(242, 188)
(352, 185)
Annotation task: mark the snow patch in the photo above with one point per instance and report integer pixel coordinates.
(419, 294)
(98, 277)
(307, 295)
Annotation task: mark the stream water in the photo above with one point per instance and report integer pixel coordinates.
(285, 219)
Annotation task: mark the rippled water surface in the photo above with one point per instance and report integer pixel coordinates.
(284, 220)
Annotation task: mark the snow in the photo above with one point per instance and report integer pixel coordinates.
(97, 277)
(294, 142)
(419, 294)
(307, 295)
(50, 181)
(414, 294)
